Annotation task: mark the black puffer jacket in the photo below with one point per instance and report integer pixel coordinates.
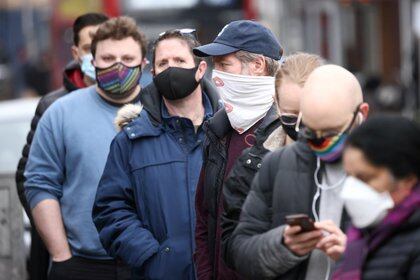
(43, 104)
(283, 186)
(399, 257)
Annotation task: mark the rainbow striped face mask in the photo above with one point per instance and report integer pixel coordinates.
(118, 81)
(329, 147)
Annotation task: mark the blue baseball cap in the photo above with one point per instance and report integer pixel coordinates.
(243, 35)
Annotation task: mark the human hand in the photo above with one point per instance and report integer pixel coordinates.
(62, 256)
(334, 243)
(300, 243)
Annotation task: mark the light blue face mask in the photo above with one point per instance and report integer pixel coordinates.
(87, 67)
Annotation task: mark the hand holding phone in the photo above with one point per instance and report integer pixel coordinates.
(303, 239)
(302, 220)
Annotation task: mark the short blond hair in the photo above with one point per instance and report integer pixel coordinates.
(296, 68)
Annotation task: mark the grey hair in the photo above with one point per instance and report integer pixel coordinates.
(271, 65)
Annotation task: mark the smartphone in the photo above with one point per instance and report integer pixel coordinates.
(302, 220)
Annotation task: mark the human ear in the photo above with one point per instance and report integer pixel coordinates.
(202, 67)
(75, 53)
(258, 66)
(364, 110)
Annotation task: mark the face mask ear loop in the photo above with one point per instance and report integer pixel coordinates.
(318, 189)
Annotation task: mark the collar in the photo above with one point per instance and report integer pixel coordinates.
(208, 109)
(141, 127)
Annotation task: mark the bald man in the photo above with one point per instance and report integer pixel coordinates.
(303, 178)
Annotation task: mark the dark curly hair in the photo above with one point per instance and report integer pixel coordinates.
(389, 141)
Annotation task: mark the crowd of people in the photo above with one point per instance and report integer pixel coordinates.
(271, 169)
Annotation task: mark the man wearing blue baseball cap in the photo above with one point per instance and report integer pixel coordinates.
(246, 57)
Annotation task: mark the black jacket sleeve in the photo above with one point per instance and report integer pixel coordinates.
(43, 105)
(235, 190)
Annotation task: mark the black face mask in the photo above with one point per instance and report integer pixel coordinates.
(290, 131)
(176, 83)
(288, 122)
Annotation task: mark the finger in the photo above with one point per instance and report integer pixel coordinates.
(335, 250)
(330, 238)
(307, 236)
(303, 248)
(328, 226)
(292, 230)
(326, 246)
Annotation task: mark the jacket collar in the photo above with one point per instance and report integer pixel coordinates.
(271, 117)
(303, 150)
(149, 121)
(142, 126)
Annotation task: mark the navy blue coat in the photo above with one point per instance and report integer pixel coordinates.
(144, 208)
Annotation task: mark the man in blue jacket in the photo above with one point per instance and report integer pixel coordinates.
(144, 206)
(69, 152)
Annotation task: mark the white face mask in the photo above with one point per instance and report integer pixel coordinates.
(87, 67)
(365, 206)
(247, 99)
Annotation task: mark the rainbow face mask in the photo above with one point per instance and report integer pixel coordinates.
(329, 149)
(118, 80)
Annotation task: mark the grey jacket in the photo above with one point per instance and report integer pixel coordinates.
(283, 186)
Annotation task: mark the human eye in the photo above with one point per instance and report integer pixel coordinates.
(162, 63)
(128, 59)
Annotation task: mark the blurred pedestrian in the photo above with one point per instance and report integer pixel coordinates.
(290, 80)
(305, 177)
(382, 197)
(144, 207)
(69, 152)
(246, 57)
(74, 77)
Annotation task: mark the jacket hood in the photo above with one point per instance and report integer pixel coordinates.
(150, 101)
(73, 77)
(126, 114)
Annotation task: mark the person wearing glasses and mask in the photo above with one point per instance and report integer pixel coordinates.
(69, 152)
(382, 197)
(289, 82)
(305, 177)
(144, 207)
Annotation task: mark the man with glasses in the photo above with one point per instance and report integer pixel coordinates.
(303, 178)
(144, 207)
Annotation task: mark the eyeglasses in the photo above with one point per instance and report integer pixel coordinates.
(312, 135)
(288, 119)
(189, 32)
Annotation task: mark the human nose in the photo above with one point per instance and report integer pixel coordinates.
(171, 63)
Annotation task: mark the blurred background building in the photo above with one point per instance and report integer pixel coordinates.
(378, 40)
(375, 39)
